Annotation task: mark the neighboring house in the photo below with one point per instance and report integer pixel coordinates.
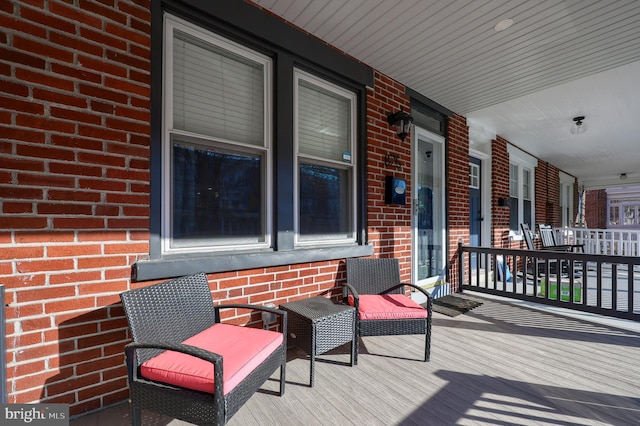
(623, 207)
(145, 140)
(613, 208)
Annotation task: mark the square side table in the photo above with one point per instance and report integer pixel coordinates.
(317, 325)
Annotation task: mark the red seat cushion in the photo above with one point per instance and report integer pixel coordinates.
(388, 306)
(242, 350)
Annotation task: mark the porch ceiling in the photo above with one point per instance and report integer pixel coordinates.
(559, 59)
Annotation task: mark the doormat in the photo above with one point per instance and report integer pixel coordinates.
(453, 306)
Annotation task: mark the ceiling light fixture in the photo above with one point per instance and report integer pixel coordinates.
(623, 176)
(578, 126)
(503, 25)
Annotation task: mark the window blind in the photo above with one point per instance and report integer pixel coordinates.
(217, 92)
(526, 184)
(324, 122)
(513, 180)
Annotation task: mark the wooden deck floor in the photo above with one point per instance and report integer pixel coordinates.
(500, 364)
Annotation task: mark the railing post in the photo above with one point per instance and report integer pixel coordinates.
(460, 266)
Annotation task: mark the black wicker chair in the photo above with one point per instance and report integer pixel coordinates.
(161, 317)
(369, 276)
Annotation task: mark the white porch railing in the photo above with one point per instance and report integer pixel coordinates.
(611, 242)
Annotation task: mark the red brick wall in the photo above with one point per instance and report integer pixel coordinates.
(74, 185)
(595, 210)
(389, 224)
(554, 213)
(74, 191)
(74, 196)
(542, 192)
(458, 213)
(548, 194)
(499, 189)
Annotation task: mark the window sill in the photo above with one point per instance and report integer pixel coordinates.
(169, 267)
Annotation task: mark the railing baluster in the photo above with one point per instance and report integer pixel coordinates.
(478, 263)
(614, 286)
(599, 285)
(630, 288)
(583, 297)
(486, 269)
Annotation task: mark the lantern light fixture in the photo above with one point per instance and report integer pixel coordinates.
(401, 121)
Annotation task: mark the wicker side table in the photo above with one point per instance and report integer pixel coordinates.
(317, 325)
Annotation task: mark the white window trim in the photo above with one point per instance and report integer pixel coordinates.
(622, 197)
(302, 75)
(172, 23)
(474, 176)
(567, 184)
(439, 216)
(529, 162)
(485, 192)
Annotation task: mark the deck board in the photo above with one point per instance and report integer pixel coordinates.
(500, 363)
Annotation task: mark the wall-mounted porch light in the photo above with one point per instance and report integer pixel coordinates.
(401, 121)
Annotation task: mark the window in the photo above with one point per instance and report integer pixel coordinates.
(614, 214)
(624, 212)
(527, 206)
(623, 207)
(474, 176)
(521, 189)
(235, 182)
(514, 197)
(325, 139)
(630, 215)
(216, 143)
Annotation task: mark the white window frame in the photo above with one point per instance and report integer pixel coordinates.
(619, 199)
(523, 161)
(171, 24)
(527, 184)
(347, 163)
(620, 206)
(485, 193)
(474, 176)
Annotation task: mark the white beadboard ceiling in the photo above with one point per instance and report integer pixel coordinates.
(559, 59)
